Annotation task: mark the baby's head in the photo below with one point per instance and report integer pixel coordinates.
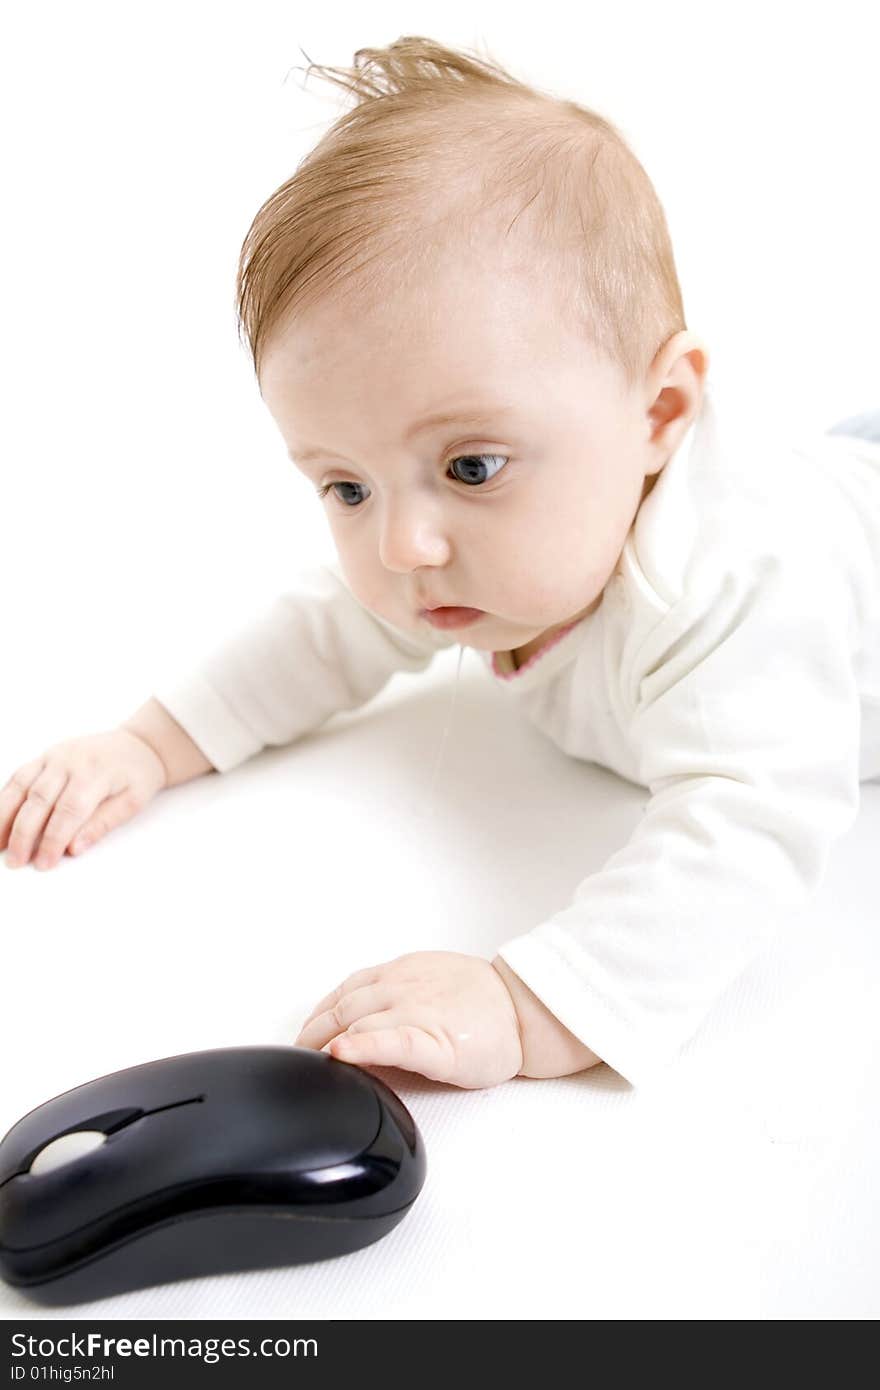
(460, 244)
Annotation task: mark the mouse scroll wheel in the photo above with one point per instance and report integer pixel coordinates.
(66, 1148)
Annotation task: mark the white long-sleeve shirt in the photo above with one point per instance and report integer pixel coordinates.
(732, 668)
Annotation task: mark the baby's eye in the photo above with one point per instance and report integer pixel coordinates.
(473, 469)
(343, 496)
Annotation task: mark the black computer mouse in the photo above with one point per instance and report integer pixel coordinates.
(232, 1159)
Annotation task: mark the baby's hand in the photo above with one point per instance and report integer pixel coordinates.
(441, 1013)
(74, 793)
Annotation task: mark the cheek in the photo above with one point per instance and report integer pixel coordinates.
(360, 566)
(600, 506)
(561, 528)
(569, 551)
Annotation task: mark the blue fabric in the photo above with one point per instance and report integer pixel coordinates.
(865, 426)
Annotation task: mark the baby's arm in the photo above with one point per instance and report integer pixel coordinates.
(745, 721)
(316, 651)
(181, 758)
(548, 1048)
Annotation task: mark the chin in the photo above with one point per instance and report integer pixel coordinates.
(497, 636)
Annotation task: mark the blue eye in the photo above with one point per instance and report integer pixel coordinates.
(473, 465)
(473, 472)
(349, 501)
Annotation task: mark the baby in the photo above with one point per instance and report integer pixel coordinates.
(465, 320)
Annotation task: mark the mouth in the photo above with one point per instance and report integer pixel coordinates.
(452, 617)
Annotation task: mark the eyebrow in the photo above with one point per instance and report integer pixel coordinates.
(440, 417)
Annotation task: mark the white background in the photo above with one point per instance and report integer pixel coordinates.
(148, 508)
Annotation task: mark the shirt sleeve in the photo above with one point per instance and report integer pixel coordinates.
(315, 652)
(744, 713)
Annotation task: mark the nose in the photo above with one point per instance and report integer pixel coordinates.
(412, 535)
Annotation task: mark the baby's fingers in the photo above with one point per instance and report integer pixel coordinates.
(38, 788)
(13, 794)
(406, 1046)
(361, 977)
(85, 829)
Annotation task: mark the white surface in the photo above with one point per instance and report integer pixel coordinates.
(740, 1185)
(133, 443)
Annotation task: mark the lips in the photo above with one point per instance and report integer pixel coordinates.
(452, 617)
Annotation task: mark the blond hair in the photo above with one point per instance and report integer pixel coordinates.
(438, 141)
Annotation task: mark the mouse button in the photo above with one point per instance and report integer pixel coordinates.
(29, 1135)
(67, 1148)
(135, 1166)
(120, 1096)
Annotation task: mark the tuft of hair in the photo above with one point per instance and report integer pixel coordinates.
(441, 149)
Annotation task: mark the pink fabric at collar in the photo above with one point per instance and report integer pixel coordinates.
(536, 656)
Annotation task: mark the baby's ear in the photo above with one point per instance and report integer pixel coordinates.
(684, 346)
